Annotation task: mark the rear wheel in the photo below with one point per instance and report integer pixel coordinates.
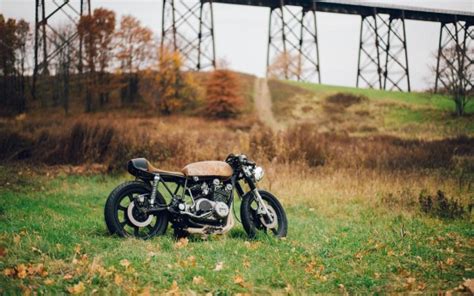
(123, 217)
(255, 222)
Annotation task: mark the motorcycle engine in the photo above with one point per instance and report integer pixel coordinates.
(212, 197)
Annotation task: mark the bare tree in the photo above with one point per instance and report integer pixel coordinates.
(456, 74)
(285, 66)
(65, 66)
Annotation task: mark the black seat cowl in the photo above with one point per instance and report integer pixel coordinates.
(139, 167)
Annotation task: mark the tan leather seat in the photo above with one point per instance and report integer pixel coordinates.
(153, 169)
(208, 168)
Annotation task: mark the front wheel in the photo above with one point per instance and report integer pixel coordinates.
(123, 217)
(253, 221)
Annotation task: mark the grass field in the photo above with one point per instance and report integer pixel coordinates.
(350, 177)
(342, 238)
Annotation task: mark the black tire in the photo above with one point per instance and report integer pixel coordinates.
(250, 218)
(123, 227)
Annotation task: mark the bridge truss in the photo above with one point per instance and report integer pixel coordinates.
(48, 42)
(188, 27)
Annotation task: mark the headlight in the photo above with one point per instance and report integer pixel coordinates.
(258, 173)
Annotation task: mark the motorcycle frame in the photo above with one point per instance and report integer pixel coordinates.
(182, 182)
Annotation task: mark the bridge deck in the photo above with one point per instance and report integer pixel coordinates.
(366, 8)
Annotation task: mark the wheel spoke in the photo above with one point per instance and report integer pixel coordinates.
(130, 197)
(135, 231)
(122, 208)
(149, 227)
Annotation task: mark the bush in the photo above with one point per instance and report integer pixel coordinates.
(441, 206)
(223, 98)
(345, 100)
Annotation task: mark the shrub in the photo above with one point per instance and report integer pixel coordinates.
(345, 100)
(223, 98)
(441, 206)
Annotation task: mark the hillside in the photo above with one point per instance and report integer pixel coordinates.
(368, 111)
(377, 187)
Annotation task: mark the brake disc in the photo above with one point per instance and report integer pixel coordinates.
(274, 222)
(134, 216)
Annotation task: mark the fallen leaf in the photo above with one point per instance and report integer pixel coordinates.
(198, 280)
(77, 249)
(390, 253)
(239, 280)
(3, 252)
(192, 261)
(219, 266)
(421, 286)
(174, 289)
(77, 288)
(469, 285)
(246, 263)
(450, 261)
(288, 288)
(9, 272)
(145, 292)
(67, 276)
(125, 263)
(48, 282)
(252, 246)
(181, 243)
(410, 281)
(34, 249)
(16, 239)
(118, 280)
(21, 271)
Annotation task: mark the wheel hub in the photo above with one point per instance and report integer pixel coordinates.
(264, 220)
(136, 217)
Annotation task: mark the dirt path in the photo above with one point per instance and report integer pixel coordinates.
(263, 104)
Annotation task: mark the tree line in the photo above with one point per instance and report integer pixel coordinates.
(120, 58)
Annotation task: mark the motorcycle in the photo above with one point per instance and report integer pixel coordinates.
(200, 198)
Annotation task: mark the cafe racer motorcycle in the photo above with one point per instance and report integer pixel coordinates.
(199, 200)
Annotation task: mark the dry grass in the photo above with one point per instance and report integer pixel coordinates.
(352, 204)
(178, 140)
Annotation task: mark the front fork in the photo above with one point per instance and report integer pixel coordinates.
(262, 207)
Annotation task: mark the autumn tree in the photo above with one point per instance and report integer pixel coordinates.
(97, 31)
(223, 98)
(174, 90)
(64, 66)
(14, 36)
(134, 50)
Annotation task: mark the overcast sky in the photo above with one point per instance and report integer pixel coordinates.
(241, 34)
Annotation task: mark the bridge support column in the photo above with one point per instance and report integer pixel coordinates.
(383, 59)
(455, 63)
(188, 28)
(48, 42)
(293, 43)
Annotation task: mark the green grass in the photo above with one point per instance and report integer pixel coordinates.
(436, 101)
(411, 115)
(358, 249)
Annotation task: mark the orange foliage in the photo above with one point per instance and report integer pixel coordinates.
(97, 31)
(223, 97)
(175, 89)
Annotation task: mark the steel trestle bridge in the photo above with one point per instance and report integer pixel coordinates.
(188, 27)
